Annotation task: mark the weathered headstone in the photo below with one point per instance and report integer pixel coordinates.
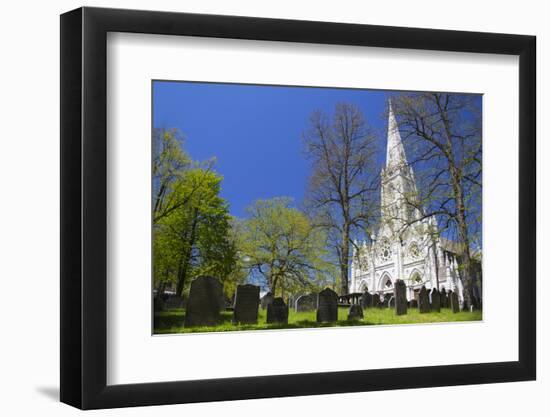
(391, 302)
(399, 291)
(444, 301)
(413, 303)
(355, 312)
(204, 303)
(386, 302)
(266, 300)
(375, 300)
(453, 298)
(307, 302)
(423, 300)
(292, 300)
(436, 300)
(277, 311)
(327, 306)
(247, 300)
(366, 300)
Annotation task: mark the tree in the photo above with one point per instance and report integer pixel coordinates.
(443, 132)
(170, 163)
(280, 244)
(195, 238)
(343, 183)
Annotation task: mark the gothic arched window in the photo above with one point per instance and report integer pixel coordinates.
(416, 278)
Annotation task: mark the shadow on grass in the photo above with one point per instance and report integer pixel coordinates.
(172, 321)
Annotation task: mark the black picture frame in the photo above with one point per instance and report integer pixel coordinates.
(84, 207)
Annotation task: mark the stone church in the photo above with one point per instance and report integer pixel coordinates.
(407, 246)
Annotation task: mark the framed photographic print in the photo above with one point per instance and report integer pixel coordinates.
(259, 208)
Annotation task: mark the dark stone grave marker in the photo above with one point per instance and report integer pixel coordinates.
(277, 311)
(436, 300)
(247, 300)
(355, 312)
(444, 300)
(366, 300)
(423, 300)
(327, 306)
(306, 302)
(204, 303)
(400, 294)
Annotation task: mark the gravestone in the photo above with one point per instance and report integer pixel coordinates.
(247, 300)
(413, 303)
(366, 300)
(423, 300)
(444, 301)
(453, 298)
(327, 306)
(204, 303)
(277, 311)
(436, 300)
(391, 302)
(400, 294)
(306, 302)
(292, 300)
(375, 300)
(266, 300)
(355, 312)
(386, 302)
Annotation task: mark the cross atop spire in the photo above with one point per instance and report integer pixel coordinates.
(395, 154)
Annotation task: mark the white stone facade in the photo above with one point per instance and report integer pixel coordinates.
(407, 245)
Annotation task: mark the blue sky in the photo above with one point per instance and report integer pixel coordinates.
(254, 131)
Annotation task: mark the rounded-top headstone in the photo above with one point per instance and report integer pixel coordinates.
(247, 301)
(366, 300)
(355, 312)
(204, 303)
(327, 306)
(307, 302)
(423, 300)
(277, 311)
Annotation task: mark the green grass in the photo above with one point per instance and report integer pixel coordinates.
(171, 321)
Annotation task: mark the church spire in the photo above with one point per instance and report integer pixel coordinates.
(395, 154)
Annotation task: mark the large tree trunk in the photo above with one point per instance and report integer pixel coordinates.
(463, 235)
(344, 263)
(186, 258)
(467, 275)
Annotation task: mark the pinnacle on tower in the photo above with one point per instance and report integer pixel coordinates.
(395, 154)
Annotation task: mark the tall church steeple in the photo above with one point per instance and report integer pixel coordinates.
(395, 153)
(398, 182)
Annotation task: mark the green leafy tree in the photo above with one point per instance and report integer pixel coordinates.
(195, 238)
(279, 244)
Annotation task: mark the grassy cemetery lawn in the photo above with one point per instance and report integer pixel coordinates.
(171, 321)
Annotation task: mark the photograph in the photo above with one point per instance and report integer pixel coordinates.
(292, 207)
